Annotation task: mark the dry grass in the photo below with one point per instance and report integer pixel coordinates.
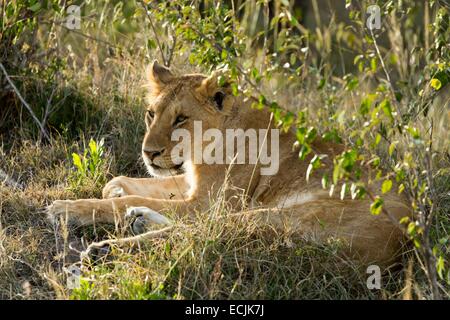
(215, 256)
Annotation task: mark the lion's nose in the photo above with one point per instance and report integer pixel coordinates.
(152, 154)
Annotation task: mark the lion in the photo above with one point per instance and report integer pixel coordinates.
(281, 200)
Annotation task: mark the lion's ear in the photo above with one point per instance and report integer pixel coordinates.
(158, 76)
(216, 81)
(216, 88)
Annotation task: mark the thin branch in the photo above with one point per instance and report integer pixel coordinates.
(87, 36)
(48, 107)
(388, 78)
(172, 47)
(156, 35)
(129, 240)
(27, 106)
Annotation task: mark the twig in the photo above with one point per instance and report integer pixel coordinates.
(87, 36)
(48, 108)
(27, 106)
(172, 47)
(388, 78)
(134, 239)
(156, 35)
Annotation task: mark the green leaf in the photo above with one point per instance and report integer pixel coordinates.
(357, 191)
(435, 84)
(332, 135)
(357, 58)
(262, 100)
(304, 151)
(373, 64)
(387, 109)
(361, 192)
(416, 243)
(376, 206)
(221, 80)
(336, 173)
(348, 3)
(77, 161)
(300, 133)
(313, 164)
(440, 266)
(348, 160)
(92, 167)
(386, 186)
(411, 228)
(35, 7)
(234, 89)
(366, 104)
(224, 54)
(287, 121)
(151, 44)
(414, 132)
(324, 181)
(352, 82)
(311, 134)
(257, 106)
(321, 84)
(377, 139)
(404, 220)
(93, 147)
(274, 106)
(255, 73)
(392, 147)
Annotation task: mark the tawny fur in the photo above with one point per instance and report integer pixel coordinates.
(283, 200)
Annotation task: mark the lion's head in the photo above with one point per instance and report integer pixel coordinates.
(175, 102)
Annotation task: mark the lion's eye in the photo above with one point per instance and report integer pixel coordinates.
(179, 120)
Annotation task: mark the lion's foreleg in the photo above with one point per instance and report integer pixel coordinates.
(169, 188)
(88, 211)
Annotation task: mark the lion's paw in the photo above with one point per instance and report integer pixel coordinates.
(115, 188)
(57, 209)
(113, 191)
(142, 217)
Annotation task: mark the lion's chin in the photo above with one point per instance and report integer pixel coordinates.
(158, 171)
